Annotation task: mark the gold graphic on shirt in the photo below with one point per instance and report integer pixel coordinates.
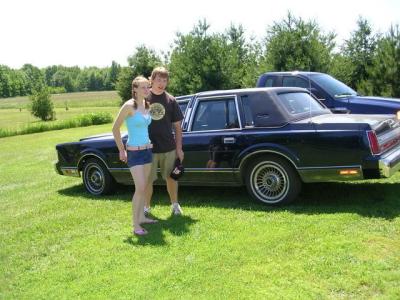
(157, 111)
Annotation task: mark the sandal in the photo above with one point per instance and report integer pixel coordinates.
(140, 231)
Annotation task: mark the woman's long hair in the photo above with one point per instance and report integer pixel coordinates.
(135, 84)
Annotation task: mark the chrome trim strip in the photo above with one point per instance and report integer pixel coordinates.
(187, 170)
(214, 130)
(92, 154)
(237, 112)
(331, 167)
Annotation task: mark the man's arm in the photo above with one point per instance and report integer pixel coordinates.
(178, 140)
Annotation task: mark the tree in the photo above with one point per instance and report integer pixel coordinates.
(49, 73)
(342, 68)
(198, 61)
(112, 76)
(124, 83)
(41, 105)
(384, 74)
(34, 77)
(12, 82)
(359, 51)
(142, 62)
(294, 44)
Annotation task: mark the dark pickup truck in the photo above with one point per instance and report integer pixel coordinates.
(333, 93)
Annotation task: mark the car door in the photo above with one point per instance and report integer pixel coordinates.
(210, 140)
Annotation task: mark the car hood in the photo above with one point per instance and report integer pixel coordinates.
(395, 102)
(103, 136)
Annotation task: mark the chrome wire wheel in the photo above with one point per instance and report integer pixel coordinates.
(270, 182)
(96, 177)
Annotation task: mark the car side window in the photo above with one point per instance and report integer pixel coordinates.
(297, 103)
(215, 115)
(269, 82)
(292, 81)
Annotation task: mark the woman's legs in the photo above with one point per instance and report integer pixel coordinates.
(143, 218)
(138, 197)
(140, 174)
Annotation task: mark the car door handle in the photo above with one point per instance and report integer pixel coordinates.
(229, 140)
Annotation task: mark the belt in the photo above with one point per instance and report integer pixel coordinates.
(137, 148)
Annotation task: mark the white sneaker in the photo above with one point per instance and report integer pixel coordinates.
(176, 209)
(147, 210)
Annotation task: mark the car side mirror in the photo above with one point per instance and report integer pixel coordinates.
(340, 110)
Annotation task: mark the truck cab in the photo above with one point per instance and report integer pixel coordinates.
(333, 93)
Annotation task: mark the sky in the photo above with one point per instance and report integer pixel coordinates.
(96, 32)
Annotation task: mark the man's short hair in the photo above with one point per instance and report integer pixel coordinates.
(160, 71)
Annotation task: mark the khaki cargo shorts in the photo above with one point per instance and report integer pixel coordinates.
(164, 161)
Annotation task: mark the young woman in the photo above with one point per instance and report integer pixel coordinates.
(138, 153)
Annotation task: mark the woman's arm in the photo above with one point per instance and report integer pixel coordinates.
(122, 114)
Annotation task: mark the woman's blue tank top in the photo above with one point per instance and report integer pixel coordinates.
(138, 133)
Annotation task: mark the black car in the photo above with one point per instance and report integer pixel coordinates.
(269, 139)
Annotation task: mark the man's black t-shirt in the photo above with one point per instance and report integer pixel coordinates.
(164, 111)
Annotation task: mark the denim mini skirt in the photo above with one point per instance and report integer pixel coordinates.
(139, 157)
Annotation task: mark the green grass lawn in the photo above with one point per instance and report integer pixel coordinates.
(56, 241)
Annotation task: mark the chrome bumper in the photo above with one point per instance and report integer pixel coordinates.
(390, 163)
(67, 171)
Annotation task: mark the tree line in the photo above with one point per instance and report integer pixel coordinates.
(200, 60)
(57, 79)
(368, 61)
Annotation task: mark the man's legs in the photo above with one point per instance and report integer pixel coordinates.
(167, 163)
(172, 188)
(149, 186)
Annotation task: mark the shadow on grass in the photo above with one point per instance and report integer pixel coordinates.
(176, 225)
(380, 200)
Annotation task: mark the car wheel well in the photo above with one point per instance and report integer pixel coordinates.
(247, 162)
(85, 158)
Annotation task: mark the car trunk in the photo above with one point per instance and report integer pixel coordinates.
(383, 131)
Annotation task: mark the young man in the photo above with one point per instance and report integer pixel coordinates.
(166, 115)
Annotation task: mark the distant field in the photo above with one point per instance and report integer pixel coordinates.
(14, 119)
(84, 99)
(11, 117)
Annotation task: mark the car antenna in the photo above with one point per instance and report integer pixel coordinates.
(309, 90)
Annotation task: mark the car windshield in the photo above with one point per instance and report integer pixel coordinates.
(333, 86)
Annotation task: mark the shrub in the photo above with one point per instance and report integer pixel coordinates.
(42, 107)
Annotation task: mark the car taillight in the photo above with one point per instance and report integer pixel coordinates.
(373, 142)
